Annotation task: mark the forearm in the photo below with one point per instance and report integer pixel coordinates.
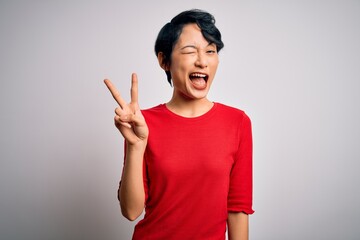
(238, 226)
(131, 191)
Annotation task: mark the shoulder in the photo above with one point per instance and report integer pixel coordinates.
(152, 110)
(232, 112)
(156, 112)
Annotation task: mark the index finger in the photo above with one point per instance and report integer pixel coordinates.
(134, 88)
(115, 93)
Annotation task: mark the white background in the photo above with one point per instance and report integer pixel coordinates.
(293, 66)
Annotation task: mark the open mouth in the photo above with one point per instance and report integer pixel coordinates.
(199, 80)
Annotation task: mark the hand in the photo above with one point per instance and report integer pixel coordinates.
(128, 118)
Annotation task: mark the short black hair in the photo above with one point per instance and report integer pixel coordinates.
(170, 33)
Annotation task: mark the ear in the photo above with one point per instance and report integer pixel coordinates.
(161, 59)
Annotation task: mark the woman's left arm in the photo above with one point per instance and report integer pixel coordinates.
(238, 226)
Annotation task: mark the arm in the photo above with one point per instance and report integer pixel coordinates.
(131, 192)
(240, 193)
(132, 125)
(238, 226)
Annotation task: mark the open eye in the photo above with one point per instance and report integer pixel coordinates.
(211, 49)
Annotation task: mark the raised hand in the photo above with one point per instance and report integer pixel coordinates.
(128, 118)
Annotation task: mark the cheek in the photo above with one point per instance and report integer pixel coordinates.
(179, 68)
(214, 66)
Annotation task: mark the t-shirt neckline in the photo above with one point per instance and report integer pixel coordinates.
(203, 116)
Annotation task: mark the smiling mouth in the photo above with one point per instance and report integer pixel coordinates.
(198, 76)
(199, 80)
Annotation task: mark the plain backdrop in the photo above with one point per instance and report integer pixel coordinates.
(293, 66)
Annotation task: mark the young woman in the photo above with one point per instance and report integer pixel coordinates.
(188, 162)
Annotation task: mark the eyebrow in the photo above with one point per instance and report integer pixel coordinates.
(188, 46)
(193, 46)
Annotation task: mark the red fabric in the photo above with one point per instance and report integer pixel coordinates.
(196, 170)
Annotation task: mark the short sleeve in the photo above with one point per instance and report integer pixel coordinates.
(240, 189)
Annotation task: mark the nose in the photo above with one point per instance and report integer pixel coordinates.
(201, 60)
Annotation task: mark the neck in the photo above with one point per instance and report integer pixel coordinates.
(190, 108)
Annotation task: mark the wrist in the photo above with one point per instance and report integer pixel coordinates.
(139, 145)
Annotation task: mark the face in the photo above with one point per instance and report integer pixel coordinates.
(193, 64)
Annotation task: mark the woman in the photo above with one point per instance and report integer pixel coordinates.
(187, 162)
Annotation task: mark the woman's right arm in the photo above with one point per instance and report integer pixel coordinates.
(132, 125)
(131, 192)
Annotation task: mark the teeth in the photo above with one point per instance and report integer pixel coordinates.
(198, 75)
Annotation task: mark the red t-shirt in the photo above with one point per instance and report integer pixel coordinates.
(196, 170)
